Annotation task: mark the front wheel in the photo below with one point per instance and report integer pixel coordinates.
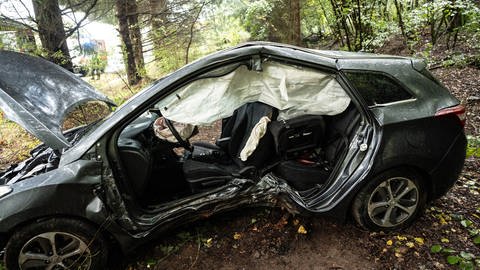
(56, 244)
(391, 201)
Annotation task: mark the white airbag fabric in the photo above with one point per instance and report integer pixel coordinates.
(257, 133)
(292, 90)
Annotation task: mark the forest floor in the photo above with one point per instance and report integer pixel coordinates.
(263, 238)
(443, 238)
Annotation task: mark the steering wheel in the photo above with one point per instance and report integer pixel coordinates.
(184, 143)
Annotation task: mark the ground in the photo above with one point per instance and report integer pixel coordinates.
(446, 236)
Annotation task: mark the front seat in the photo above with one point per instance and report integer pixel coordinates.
(205, 173)
(136, 160)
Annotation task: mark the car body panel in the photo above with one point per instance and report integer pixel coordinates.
(429, 97)
(38, 94)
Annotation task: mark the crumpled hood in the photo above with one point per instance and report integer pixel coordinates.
(38, 94)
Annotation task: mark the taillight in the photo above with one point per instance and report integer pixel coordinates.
(458, 110)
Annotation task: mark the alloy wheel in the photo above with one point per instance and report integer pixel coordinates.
(55, 250)
(393, 201)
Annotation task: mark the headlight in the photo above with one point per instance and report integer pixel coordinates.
(4, 190)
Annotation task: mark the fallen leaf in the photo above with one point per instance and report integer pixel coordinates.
(209, 242)
(302, 230)
(410, 244)
(444, 240)
(419, 240)
(401, 238)
(389, 242)
(237, 236)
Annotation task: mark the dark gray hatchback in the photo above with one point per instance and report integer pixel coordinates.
(371, 136)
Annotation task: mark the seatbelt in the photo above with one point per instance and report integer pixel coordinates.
(177, 136)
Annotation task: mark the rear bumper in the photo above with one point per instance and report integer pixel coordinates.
(447, 171)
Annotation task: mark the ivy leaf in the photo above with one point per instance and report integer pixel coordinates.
(466, 265)
(476, 240)
(448, 250)
(466, 255)
(453, 259)
(436, 249)
(466, 223)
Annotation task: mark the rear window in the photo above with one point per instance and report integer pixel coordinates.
(377, 88)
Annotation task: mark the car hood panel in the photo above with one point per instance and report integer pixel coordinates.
(38, 94)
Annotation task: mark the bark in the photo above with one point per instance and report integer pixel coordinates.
(400, 20)
(358, 27)
(52, 32)
(295, 27)
(129, 53)
(135, 34)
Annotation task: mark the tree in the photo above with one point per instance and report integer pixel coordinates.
(158, 20)
(52, 32)
(122, 7)
(277, 20)
(46, 19)
(295, 25)
(135, 35)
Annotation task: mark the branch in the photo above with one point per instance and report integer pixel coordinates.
(79, 24)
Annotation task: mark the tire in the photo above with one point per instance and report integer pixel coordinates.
(77, 246)
(374, 208)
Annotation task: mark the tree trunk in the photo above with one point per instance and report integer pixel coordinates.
(129, 54)
(343, 21)
(400, 20)
(337, 22)
(190, 38)
(158, 19)
(52, 33)
(295, 27)
(359, 27)
(135, 34)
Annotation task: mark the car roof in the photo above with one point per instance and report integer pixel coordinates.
(332, 54)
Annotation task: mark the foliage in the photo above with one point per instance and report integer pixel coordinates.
(473, 147)
(256, 19)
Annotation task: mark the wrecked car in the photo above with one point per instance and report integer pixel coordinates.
(343, 134)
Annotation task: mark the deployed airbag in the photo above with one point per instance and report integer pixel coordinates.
(291, 89)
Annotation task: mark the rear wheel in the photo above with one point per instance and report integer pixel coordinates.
(56, 244)
(392, 200)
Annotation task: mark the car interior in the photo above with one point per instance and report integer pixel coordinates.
(253, 141)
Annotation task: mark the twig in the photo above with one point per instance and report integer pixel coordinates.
(124, 82)
(198, 251)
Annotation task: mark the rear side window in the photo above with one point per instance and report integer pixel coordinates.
(377, 88)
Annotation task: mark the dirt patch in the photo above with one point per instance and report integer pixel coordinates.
(262, 239)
